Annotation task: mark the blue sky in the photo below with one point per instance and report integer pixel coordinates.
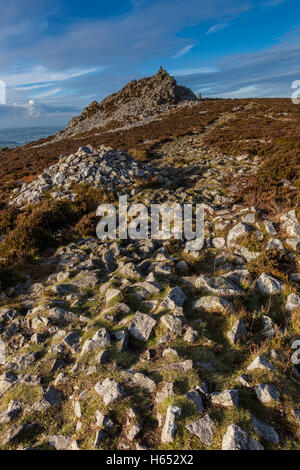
(57, 56)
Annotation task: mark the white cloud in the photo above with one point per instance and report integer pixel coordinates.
(40, 75)
(192, 71)
(244, 92)
(217, 27)
(184, 51)
(48, 93)
(29, 107)
(32, 87)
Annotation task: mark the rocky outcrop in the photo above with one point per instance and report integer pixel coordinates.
(137, 101)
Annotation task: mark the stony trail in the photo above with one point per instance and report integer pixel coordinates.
(145, 344)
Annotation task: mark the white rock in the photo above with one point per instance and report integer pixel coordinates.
(265, 430)
(269, 285)
(293, 302)
(170, 426)
(270, 228)
(172, 323)
(239, 230)
(227, 398)
(110, 390)
(218, 242)
(237, 332)
(141, 326)
(238, 439)
(203, 428)
(261, 362)
(212, 303)
(267, 393)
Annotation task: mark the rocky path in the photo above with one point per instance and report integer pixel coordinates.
(143, 344)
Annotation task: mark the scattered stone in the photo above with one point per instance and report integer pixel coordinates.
(77, 409)
(181, 366)
(175, 298)
(270, 228)
(133, 432)
(170, 426)
(138, 379)
(292, 303)
(267, 393)
(293, 243)
(227, 398)
(191, 335)
(91, 277)
(102, 357)
(100, 340)
(195, 397)
(112, 295)
(72, 340)
(173, 324)
(219, 286)
(166, 392)
(244, 380)
(237, 332)
(171, 351)
(218, 243)
(14, 409)
(141, 326)
(109, 390)
(50, 398)
(203, 428)
(237, 439)
(213, 303)
(268, 330)
(275, 244)
(265, 430)
(260, 362)
(238, 231)
(269, 285)
(60, 442)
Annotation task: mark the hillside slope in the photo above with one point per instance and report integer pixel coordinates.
(154, 344)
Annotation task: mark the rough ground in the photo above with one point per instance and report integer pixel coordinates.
(134, 345)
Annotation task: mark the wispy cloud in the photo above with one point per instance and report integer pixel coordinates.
(243, 92)
(184, 51)
(269, 72)
(48, 93)
(37, 76)
(192, 71)
(217, 27)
